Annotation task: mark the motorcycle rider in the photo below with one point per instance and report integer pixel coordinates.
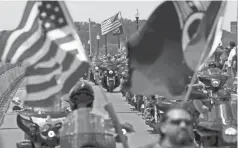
(175, 130)
(232, 59)
(83, 96)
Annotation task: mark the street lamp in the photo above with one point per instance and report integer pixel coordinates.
(98, 38)
(89, 47)
(137, 19)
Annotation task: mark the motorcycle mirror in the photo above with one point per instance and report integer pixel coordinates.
(16, 108)
(58, 125)
(118, 140)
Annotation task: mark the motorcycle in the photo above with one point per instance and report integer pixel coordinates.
(83, 129)
(96, 75)
(219, 129)
(155, 109)
(41, 128)
(111, 79)
(137, 102)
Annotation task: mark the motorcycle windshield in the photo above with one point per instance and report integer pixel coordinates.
(212, 73)
(87, 128)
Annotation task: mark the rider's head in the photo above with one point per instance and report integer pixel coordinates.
(232, 44)
(81, 95)
(176, 127)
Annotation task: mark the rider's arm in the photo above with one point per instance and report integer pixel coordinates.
(231, 55)
(199, 106)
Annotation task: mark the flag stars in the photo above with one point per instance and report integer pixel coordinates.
(56, 9)
(60, 20)
(48, 6)
(52, 17)
(43, 14)
(47, 25)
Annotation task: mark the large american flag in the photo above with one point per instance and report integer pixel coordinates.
(111, 24)
(47, 43)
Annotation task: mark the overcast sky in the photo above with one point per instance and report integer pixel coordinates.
(11, 11)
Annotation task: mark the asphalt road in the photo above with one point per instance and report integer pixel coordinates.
(10, 134)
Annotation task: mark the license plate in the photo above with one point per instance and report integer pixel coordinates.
(111, 79)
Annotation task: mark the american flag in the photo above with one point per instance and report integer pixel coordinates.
(47, 43)
(111, 24)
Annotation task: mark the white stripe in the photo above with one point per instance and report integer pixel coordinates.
(51, 36)
(112, 27)
(38, 79)
(72, 45)
(81, 52)
(26, 45)
(105, 24)
(13, 37)
(110, 24)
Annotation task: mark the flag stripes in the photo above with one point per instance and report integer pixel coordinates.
(110, 24)
(54, 58)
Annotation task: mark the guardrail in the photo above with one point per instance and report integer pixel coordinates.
(10, 78)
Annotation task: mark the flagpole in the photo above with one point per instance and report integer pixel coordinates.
(126, 34)
(237, 33)
(90, 37)
(108, 107)
(105, 44)
(118, 40)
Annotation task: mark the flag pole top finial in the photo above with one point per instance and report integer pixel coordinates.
(137, 13)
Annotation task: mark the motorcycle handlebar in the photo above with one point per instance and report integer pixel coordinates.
(196, 86)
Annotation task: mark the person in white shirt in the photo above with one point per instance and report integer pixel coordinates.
(231, 59)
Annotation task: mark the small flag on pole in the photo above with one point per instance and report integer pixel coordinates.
(111, 24)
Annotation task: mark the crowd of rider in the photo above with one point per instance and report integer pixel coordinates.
(175, 126)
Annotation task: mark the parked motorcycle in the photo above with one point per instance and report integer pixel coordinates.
(155, 109)
(41, 129)
(219, 129)
(111, 79)
(82, 128)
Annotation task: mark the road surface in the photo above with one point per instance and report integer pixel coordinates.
(10, 134)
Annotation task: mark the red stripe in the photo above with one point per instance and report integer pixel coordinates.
(74, 77)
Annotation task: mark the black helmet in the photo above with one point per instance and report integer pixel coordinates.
(80, 88)
(232, 44)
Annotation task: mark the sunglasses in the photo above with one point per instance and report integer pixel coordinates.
(179, 121)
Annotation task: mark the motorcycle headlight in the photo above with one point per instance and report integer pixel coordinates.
(215, 83)
(110, 72)
(229, 134)
(51, 134)
(96, 68)
(230, 131)
(123, 131)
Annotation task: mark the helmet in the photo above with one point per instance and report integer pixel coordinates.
(81, 94)
(232, 44)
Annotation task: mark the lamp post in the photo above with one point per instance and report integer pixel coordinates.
(98, 38)
(89, 48)
(137, 19)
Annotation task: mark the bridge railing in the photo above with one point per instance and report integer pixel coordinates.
(10, 76)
